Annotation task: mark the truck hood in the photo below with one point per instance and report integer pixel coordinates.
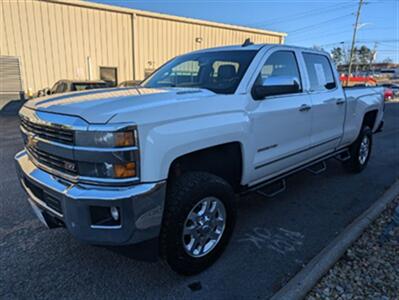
(99, 106)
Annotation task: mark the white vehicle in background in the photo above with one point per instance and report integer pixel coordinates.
(165, 160)
(129, 83)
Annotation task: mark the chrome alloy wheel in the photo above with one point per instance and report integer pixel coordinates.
(204, 227)
(364, 149)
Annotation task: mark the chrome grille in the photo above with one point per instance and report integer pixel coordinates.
(53, 161)
(51, 133)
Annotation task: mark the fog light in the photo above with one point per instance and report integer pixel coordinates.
(115, 213)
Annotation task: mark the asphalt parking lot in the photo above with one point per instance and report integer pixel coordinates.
(273, 239)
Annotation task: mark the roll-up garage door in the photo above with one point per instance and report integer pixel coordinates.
(10, 81)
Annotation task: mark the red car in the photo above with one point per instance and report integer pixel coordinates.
(388, 94)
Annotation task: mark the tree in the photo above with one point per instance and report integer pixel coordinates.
(387, 60)
(365, 55)
(337, 55)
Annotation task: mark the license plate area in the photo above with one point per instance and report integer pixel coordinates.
(46, 198)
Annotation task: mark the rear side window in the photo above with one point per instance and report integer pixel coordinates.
(320, 72)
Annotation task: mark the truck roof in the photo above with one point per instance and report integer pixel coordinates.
(253, 47)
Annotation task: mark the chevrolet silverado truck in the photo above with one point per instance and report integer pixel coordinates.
(166, 160)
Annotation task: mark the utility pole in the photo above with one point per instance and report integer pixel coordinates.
(354, 41)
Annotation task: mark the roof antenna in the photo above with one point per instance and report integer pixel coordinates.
(247, 43)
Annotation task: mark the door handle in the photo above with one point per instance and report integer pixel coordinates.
(340, 101)
(304, 107)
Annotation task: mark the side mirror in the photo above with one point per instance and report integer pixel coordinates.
(276, 85)
(330, 85)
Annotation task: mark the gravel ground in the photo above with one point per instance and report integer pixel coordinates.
(370, 267)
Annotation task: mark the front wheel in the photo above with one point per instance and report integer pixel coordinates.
(360, 151)
(199, 218)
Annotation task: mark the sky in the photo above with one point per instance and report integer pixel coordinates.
(324, 23)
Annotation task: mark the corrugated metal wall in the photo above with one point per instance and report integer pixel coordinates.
(177, 37)
(54, 38)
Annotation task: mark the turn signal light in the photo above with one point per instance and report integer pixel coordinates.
(125, 170)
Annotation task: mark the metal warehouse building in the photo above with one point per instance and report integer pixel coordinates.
(43, 41)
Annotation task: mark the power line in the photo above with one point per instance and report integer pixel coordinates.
(321, 23)
(380, 41)
(295, 17)
(321, 35)
(328, 32)
(317, 29)
(298, 39)
(371, 41)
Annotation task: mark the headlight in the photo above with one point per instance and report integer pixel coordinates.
(126, 137)
(97, 160)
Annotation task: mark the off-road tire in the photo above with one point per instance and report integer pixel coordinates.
(354, 164)
(183, 194)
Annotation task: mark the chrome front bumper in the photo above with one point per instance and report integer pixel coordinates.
(141, 206)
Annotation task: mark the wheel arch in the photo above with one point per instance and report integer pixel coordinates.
(370, 118)
(223, 160)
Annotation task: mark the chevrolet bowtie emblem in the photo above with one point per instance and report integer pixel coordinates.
(31, 142)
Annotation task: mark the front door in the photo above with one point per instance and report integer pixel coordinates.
(281, 123)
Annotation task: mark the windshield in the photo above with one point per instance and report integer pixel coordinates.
(220, 72)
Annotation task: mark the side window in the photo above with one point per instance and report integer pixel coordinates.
(280, 63)
(61, 87)
(320, 72)
(224, 65)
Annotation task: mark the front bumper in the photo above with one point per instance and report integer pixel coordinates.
(141, 206)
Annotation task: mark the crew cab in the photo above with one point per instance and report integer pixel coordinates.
(166, 160)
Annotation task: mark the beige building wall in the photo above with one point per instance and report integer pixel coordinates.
(60, 39)
(56, 41)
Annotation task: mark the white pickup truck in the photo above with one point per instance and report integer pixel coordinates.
(166, 160)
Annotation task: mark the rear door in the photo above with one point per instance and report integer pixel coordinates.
(328, 103)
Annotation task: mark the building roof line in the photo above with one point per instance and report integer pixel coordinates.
(137, 12)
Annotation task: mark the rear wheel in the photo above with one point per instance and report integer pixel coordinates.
(360, 151)
(198, 221)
